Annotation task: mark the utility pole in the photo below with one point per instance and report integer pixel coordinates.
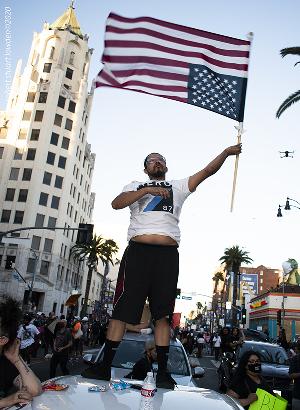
(30, 293)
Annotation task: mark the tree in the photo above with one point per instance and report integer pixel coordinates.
(291, 99)
(233, 258)
(97, 248)
(218, 276)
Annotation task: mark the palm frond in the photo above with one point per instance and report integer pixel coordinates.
(293, 98)
(290, 50)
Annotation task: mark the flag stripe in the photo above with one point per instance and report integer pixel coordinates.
(143, 33)
(183, 62)
(151, 73)
(132, 47)
(183, 29)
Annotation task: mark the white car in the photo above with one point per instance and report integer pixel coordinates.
(131, 350)
(184, 396)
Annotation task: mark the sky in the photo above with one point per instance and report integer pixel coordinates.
(125, 126)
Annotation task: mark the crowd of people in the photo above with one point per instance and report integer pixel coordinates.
(203, 342)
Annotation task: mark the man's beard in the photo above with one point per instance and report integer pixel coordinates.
(157, 174)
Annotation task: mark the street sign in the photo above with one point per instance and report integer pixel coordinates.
(228, 305)
(186, 297)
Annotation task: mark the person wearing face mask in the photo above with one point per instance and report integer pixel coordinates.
(247, 379)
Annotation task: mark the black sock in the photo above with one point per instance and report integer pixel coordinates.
(110, 349)
(162, 358)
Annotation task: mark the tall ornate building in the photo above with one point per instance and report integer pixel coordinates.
(46, 166)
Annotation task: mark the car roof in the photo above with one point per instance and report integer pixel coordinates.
(143, 337)
(77, 397)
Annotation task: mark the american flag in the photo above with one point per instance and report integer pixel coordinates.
(172, 61)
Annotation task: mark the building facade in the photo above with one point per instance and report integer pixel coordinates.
(263, 311)
(46, 167)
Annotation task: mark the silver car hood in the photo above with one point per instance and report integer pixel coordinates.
(77, 397)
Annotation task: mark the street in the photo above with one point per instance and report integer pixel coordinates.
(41, 366)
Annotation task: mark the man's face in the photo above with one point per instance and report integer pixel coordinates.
(156, 166)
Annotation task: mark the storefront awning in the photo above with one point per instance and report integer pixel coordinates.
(72, 299)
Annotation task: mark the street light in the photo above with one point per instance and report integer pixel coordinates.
(287, 206)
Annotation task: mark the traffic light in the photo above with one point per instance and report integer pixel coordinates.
(279, 317)
(178, 293)
(85, 233)
(244, 316)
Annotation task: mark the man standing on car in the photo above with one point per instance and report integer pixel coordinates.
(294, 372)
(150, 264)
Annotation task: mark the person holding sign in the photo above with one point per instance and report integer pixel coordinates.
(294, 372)
(247, 380)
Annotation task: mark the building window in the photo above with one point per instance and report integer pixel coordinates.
(72, 106)
(36, 242)
(35, 133)
(30, 97)
(1, 152)
(31, 265)
(26, 115)
(22, 134)
(43, 199)
(27, 174)
(69, 73)
(54, 138)
(14, 174)
(47, 178)
(18, 153)
(65, 143)
(31, 154)
(50, 158)
(23, 195)
(51, 222)
(10, 261)
(47, 67)
(55, 202)
(39, 115)
(58, 120)
(61, 101)
(69, 124)
(43, 97)
(19, 215)
(39, 220)
(48, 245)
(10, 194)
(5, 217)
(58, 181)
(71, 59)
(62, 162)
(51, 53)
(44, 268)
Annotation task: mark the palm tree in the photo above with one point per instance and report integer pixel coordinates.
(296, 95)
(97, 248)
(218, 276)
(233, 259)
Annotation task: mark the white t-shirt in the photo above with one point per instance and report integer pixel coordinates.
(27, 335)
(155, 214)
(217, 341)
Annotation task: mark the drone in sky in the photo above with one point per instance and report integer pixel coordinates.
(286, 154)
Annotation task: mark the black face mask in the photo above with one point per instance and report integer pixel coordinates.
(254, 368)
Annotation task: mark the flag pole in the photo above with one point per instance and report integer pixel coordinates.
(236, 165)
(239, 137)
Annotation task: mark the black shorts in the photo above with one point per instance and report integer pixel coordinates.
(146, 271)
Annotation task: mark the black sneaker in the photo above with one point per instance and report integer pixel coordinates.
(97, 371)
(165, 381)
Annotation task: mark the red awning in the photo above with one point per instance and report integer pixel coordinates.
(72, 299)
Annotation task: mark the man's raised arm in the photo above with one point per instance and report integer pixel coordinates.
(213, 166)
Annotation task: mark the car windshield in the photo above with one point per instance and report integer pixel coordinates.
(269, 354)
(130, 351)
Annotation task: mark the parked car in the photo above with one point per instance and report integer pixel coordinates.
(275, 366)
(131, 350)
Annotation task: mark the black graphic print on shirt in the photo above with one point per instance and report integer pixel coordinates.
(158, 203)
